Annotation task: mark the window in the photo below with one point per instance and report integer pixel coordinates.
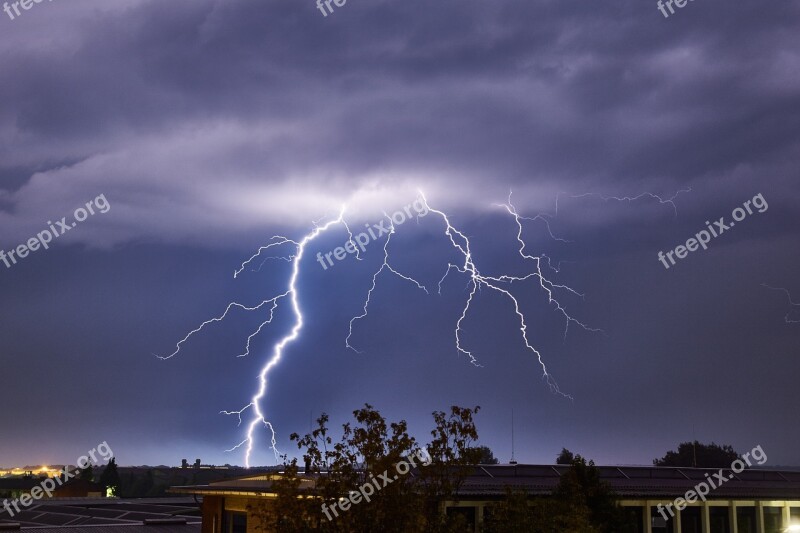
(691, 522)
(635, 519)
(720, 520)
(235, 522)
(794, 516)
(772, 520)
(468, 514)
(746, 519)
(659, 524)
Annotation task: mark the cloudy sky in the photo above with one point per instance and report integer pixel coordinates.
(203, 128)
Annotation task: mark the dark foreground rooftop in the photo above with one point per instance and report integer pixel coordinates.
(101, 515)
(489, 481)
(637, 481)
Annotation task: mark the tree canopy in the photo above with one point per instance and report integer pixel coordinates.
(696, 454)
(486, 456)
(581, 503)
(409, 499)
(371, 451)
(109, 479)
(565, 457)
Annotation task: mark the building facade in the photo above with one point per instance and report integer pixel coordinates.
(751, 501)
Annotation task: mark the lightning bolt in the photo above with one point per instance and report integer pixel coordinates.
(500, 284)
(546, 218)
(258, 417)
(279, 240)
(385, 266)
(792, 304)
(668, 201)
(476, 281)
(277, 353)
(223, 316)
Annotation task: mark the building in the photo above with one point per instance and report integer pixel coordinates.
(79, 488)
(228, 505)
(752, 501)
(14, 487)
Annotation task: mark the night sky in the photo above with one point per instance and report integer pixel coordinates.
(210, 126)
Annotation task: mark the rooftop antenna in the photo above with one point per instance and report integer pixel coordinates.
(694, 448)
(513, 461)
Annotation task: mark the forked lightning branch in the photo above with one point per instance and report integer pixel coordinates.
(467, 267)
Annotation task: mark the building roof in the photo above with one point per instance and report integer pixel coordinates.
(123, 528)
(627, 481)
(245, 486)
(637, 481)
(95, 513)
(80, 485)
(20, 483)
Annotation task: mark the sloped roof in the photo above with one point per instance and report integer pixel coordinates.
(92, 513)
(626, 481)
(637, 481)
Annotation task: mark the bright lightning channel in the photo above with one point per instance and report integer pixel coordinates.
(500, 284)
(278, 350)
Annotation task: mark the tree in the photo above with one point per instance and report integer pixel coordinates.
(367, 450)
(453, 458)
(581, 489)
(290, 512)
(580, 503)
(143, 486)
(696, 454)
(86, 474)
(109, 479)
(577, 505)
(565, 457)
(370, 450)
(486, 456)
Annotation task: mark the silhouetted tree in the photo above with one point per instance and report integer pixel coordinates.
(86, 474)
(547, 514)
(696, 454)
(565, 457)
(581, 503)
(453, 457)
(580, 487)
(368, 451)
(143, 486)
(486, 456)
(110, 477)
